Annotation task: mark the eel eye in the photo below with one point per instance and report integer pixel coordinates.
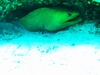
(69, 14)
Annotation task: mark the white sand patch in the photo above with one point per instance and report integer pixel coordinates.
(74, 51)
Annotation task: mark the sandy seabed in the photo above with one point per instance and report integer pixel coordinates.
(74, 51)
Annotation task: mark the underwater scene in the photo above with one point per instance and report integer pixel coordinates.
(50, 37)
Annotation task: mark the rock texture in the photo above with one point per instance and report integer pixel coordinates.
(15, 9)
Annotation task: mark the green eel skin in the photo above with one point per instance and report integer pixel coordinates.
(49, 19)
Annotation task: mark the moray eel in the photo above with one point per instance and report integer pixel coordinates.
(49, 19)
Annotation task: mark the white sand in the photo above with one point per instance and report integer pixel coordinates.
(75, 51)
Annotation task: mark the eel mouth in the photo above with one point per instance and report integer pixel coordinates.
(74, 19)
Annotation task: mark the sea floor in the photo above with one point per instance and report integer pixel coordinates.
(74, 51)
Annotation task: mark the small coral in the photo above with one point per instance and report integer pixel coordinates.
(9, 31)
